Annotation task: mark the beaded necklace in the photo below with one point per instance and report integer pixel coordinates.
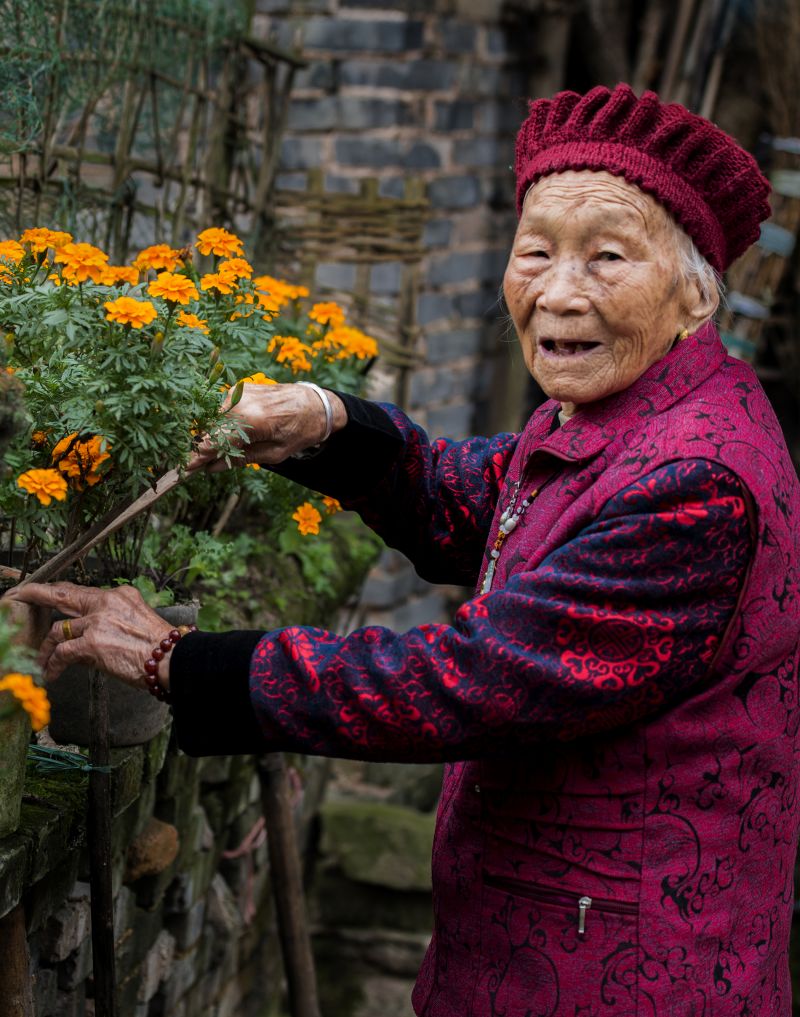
(508, 523)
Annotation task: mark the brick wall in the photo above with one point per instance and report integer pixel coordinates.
(428, 90)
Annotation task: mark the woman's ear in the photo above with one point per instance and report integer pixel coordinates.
(699, 308)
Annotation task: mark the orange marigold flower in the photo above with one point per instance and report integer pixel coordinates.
(30, 696)
(45, 484)
(40, 239)
(307, 518)
(113, 274)
(239, 268)
(81, 458)
(192, 321)
(159, 257)
(216, 240)
(327, 314)
(129, 311)
(5, 272)
(218, 281)
(289, 349)
(11, 250)
(176, 288)
(39, 438)
(259, 378)
(279, 289)
(332, 505)
(352, 343)
(81, 262)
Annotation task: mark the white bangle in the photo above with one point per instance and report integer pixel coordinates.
(327, 406)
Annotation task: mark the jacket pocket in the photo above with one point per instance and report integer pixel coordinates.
(552, 951)
(580, 904)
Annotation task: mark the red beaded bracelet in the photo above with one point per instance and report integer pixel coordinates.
(159, 652)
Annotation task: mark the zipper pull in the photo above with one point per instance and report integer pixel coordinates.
(584, 903)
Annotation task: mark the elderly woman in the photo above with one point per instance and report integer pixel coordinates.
(617, 830)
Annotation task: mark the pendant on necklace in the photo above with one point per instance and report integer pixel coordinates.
(508, 523)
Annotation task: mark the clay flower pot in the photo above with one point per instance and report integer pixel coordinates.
(134, 717)
(15, 733)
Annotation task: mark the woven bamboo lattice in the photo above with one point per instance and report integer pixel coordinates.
(126, 122)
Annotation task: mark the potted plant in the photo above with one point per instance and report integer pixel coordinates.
(123, 367)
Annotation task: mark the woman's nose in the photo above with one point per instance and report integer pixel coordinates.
(562, 288)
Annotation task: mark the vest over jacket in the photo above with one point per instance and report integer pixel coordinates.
(617, 844)
(682, 829)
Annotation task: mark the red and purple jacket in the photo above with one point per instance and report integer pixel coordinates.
(618, 825)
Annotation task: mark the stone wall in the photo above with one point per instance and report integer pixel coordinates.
(193, 925)
(430, 91)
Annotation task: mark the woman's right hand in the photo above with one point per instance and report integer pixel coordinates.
(279, 420)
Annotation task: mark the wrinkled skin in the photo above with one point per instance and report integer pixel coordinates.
(279, 420)
(113, 630)
(595, 261)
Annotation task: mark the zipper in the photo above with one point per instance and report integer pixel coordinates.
(562, 899)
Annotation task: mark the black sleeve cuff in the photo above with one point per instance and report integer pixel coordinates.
(354, 460)
(209, 681)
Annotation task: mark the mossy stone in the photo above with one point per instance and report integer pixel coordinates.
(380, 844)
(15, 732)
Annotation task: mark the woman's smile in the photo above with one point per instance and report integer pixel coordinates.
(577, 348)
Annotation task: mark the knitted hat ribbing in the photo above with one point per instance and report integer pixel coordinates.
(711, 186)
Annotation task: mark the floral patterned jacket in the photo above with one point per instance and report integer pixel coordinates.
(618, 825)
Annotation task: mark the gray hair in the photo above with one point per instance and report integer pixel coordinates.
(694, 268)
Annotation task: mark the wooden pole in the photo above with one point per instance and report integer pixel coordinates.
(16, 992)
(287, 886)
(99, 836)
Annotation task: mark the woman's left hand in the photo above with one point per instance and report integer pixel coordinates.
(112, 630)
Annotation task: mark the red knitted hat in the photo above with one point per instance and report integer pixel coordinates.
(711, 186)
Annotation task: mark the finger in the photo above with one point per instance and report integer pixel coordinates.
(58, 633)
(68, 598)
(73, 651)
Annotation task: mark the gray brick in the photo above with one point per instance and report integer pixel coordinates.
(433, 386)
(367, 35)
(499, 189)
(478, 79)
(77, 967)
(313, 114)
(437, 232)
(392, 187)
(362, 114)
(422, 75)
(292, 6)
(301, 153)
(451, 421)
(456, 36)
(385, 277)
(455, 268)
(319, 74)
(483, 152)
(409, 6)
(336, 276)
(501, 117)
(433, 307)
(453, 344)
(481, 303)
(496, 41)
(335, 184)
(66, 929)
(156, 966)
(378, 153)
(454, 115)
(455, 192)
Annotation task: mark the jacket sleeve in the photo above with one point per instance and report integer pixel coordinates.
(615, 625)
(432, 500)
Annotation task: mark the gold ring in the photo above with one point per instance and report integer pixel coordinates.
(66, 628)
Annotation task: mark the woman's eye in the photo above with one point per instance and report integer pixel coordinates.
(609, 256)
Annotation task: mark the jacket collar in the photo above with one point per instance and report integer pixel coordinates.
(664, 383)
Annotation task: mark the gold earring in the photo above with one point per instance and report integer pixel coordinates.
(683, 334)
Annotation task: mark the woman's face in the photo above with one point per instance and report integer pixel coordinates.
(593, 285)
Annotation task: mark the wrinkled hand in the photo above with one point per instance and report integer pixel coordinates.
(279, 420)
(113, 630)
